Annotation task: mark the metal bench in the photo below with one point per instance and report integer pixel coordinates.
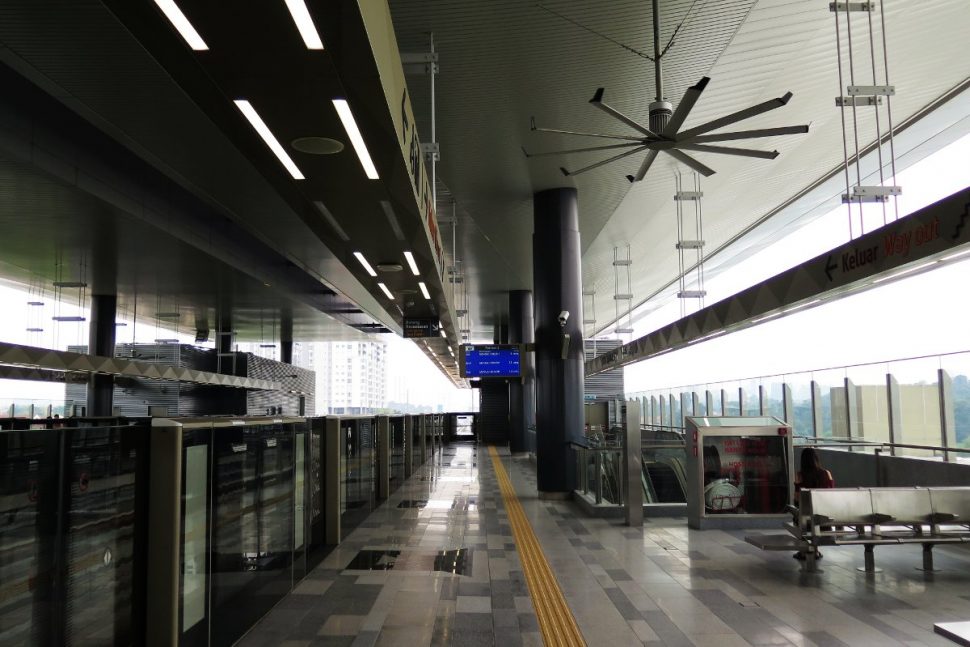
(874, 516)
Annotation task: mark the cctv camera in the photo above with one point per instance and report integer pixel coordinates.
(563, 317)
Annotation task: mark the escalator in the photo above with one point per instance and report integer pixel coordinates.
(664, 480)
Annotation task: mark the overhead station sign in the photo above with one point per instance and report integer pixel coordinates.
(418, 327)
(937, 233)
(491, 360)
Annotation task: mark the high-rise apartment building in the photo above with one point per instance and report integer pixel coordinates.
(351, 376)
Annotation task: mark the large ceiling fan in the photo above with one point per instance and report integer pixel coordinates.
(664, 134)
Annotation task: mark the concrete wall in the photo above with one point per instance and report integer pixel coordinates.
(854, 469)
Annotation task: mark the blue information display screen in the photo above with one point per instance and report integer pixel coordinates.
(491, 360)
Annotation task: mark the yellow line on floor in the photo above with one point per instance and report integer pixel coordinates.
(556, 621)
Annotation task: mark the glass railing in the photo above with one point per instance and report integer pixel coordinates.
(599, 463)
(35, 408)
(918, 406)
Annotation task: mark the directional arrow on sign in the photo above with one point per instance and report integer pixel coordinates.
(829, 266)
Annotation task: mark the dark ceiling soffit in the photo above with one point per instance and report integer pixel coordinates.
(910, 244)
(188, 218)
(348, 46)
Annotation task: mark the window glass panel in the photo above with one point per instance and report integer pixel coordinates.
(919, 404)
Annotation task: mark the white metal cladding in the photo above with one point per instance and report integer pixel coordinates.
(504, 61)
(56, 360)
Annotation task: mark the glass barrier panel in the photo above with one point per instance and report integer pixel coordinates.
(701, 397)
(831, 385)
(775, 398)
(752, 397)
(71, 505)
(732, 401)
(195, 535)
(958, 367)
(870, 410)
(300, 486)
(919, 405)
(801, 396)
(29, 469)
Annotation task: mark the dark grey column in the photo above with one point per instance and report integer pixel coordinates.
(286, 337)
(286, 352)
(101, 341)
(522, 393)
(557, 277)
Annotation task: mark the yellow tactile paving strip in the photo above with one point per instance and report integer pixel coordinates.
(556, 621)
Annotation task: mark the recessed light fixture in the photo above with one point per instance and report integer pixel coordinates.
(182, 24)
(386, 291)
(267, 135)
(389, 267)
(317, 145)
(441, 329)
(64, 319)
(414, 266)
(424, 289)
(70, 284)
(363, 261)
(168, 315)
(167, 340)
(301, 16)
(356, 139)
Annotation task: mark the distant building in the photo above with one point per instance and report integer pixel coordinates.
(351, 377)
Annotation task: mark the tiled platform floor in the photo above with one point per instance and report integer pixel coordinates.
(662, 585)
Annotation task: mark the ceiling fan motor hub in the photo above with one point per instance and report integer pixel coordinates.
(660, 113)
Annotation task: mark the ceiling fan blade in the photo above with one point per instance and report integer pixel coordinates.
(734, 117)
(728, 150)
(579, 150)
(647, 162)
(606, 161)
(534, 128)
(686, 159)
(746, 134)
(597, 101)
(684, 107)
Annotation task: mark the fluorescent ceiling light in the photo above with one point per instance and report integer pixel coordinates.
(957, 255)
(424, 289)
(414, 266)
(274, 145)
(363, 261)
(182, 24)
(350, 125)
(904, 272)
(330, 219)
(301, 16)
(386, 291)
(441, 329)
(392, 219)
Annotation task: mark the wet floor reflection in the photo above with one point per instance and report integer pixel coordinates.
(457, 562)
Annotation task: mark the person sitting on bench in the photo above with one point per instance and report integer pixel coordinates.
(811, 476)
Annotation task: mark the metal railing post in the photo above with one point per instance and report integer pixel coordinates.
(895, 412)
(947, 416)
(598, 476)
(816, 409)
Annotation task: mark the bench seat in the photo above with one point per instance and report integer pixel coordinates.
(872, 517)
